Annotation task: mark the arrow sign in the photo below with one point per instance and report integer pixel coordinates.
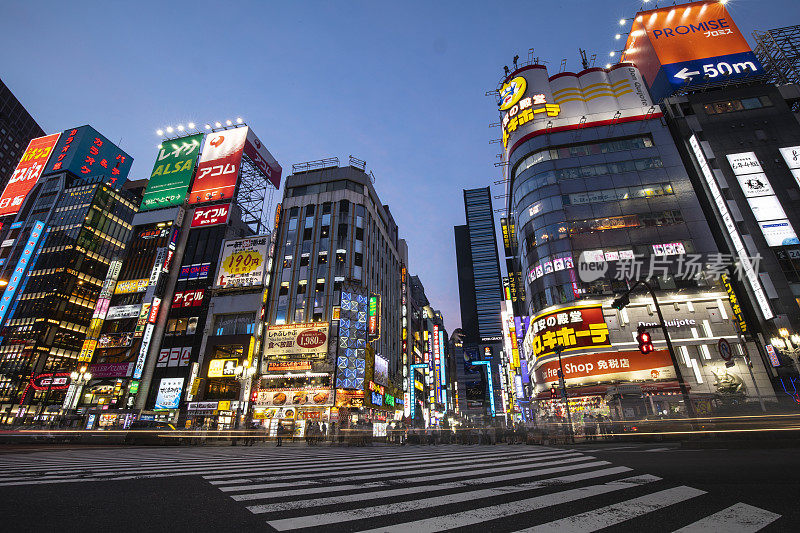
(684, 73)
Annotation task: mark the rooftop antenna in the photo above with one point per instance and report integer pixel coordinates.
(584, 62)
(592, 58)
(516, 58)
(505, 68)
(563, 67)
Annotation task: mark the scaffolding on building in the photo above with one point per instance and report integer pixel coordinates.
(778, 50)
(254, 196)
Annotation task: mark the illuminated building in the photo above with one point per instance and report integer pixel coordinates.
(54, 281)
(338, 260)
(593, 183)
(480, 293)
(17, 127)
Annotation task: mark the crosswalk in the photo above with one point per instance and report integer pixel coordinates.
(410, 488)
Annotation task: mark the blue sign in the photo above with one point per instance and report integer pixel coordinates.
(21, 268)
(708, 71)
(489, 382)
(83, 151)
(16, 225)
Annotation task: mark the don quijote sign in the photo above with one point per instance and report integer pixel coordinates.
(290, 339)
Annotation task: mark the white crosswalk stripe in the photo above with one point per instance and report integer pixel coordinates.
(410, 488)
(461, 489)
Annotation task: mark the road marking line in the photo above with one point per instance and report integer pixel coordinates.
(738, 518)
(618, 512)
(462, 519)
(300, 504)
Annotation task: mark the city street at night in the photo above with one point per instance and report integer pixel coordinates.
(631, 487)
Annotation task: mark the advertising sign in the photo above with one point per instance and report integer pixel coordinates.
(222, 368)
(607, 366)
(171, 173)
(218, 169)
(381, 373)
(306, 339)
(763, 202)
(242, 263)
(210, 215)
(574, 328)
(688, 45)
(128, 286)
(262, 159)
(111, 370)
(28, 171)
(114, 340)
(190, 298)
(119, 312)
(299, 397)
(169, 393)
(791, 154)
(22, 267)
(86, 153)
(373, 327)
(288, 366)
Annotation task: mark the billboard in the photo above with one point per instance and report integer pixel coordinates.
(288, 339)
(574, 328)
(210, 215)
(169, 393)
(608, 366)
(28, 171)
(22, 267)
(172, 173)
(381, 373)
(218, 170)
(566, 101)
(762, 199)
(222, 368)
(688, 45)
(262, 159)
(86, 153)
(242, 263)
(304, 397)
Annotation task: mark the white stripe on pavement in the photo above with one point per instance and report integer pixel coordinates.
(618, 512)
(300, 504)
(462, 519)
(738, 518)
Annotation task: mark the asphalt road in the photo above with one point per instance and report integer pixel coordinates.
(411, 488)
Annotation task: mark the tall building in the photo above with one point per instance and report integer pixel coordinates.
(17, 128)
(480, 294)
(338, 269)
(69, 227)
(596, 184)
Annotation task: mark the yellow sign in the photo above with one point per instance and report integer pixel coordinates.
(735, 307)
(525, 112)
(222, 368)
(511, 92)
(131, 285)
(224, 405)
(337, 313)
(243, 262)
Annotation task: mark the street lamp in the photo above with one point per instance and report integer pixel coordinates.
(79, 378)
(242, 373)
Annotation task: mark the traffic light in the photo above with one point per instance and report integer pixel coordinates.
(553, 393)
(621, 302)
(645, 340)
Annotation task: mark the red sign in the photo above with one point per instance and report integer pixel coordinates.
(188, 298)
(211, 215)
(261, 158)
(47, 381)
(279, 366)
(28, 171)
(154, 310)
(311, 338)
(625, 366)
(218, 169)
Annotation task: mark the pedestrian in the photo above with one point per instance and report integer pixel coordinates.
(279, 433)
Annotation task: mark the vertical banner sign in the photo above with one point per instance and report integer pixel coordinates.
(763, 201)
(791, 154)
(28, 171)
(172, 173)
(374, 315)
(100, 311)
(218, 169)
(21, 268)
(437, 356)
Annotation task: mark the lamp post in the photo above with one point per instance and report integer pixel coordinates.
(79, 378)
(788, 345)
(243, 373)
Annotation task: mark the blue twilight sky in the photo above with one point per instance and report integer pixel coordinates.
(399, 84)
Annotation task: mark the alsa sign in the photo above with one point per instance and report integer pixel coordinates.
(688, 45)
